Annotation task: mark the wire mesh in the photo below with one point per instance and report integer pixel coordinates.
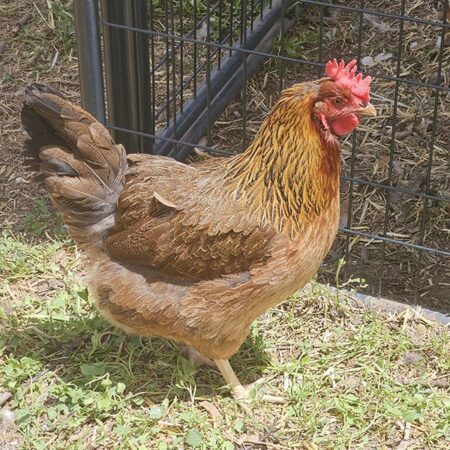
(216, 68)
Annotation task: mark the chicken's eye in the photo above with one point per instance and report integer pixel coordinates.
(337, 101)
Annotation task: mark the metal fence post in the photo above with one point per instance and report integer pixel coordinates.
(89, 57)
(127, 67)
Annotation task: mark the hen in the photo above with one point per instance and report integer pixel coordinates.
(195, 253)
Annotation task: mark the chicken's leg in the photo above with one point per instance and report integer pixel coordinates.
(241, 393)
(196, 358)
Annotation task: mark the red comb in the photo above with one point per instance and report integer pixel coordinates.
(344, 75)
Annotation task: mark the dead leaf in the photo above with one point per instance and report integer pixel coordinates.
(416, 339)
(343, 217)
(368, 61)
(397, 168)
(7, 419)
(438, 42)
(4, 397)
(418, 179)
(404, 444)
(212, 410)
(409, 358)
(378, 24)
(440, 382)
(349, 383)
(363, 254)
(21, 23)
(383, 57)
(202, 32)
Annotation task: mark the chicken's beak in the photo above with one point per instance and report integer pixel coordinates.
(368, 110)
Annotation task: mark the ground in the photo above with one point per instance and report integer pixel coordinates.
(353, 378)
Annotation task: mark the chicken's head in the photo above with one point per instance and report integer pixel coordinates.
(343, 98)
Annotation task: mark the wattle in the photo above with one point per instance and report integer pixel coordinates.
(344, 125)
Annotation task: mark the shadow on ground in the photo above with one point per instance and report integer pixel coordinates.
(85, 348)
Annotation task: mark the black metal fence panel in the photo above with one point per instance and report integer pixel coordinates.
(199, 74)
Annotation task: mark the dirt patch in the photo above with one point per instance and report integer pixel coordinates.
(37, 46)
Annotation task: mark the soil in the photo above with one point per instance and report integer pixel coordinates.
(31, 50)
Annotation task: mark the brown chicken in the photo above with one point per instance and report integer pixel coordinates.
(195, 253)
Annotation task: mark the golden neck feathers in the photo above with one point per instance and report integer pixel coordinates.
(290, 172)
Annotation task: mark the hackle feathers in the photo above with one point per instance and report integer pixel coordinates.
(289, 174)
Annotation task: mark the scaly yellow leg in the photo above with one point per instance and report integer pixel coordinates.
(242, 393)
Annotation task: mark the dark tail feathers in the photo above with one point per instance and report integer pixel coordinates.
(81, 166)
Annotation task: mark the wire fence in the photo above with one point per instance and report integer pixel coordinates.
(202, 74)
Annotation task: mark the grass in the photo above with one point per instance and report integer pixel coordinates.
(353, 379)
(56, 29)
(42, 218)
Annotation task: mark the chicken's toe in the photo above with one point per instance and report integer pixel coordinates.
(242, 394)
(263, 397)
(244, 398)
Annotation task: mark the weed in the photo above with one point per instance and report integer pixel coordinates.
(75, 377)
(42, 218)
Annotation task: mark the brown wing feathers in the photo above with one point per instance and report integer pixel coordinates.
(160, 214)
(83, 169)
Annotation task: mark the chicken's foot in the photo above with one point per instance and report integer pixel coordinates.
(242, 393)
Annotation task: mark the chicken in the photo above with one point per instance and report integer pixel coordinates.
(195, 253)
